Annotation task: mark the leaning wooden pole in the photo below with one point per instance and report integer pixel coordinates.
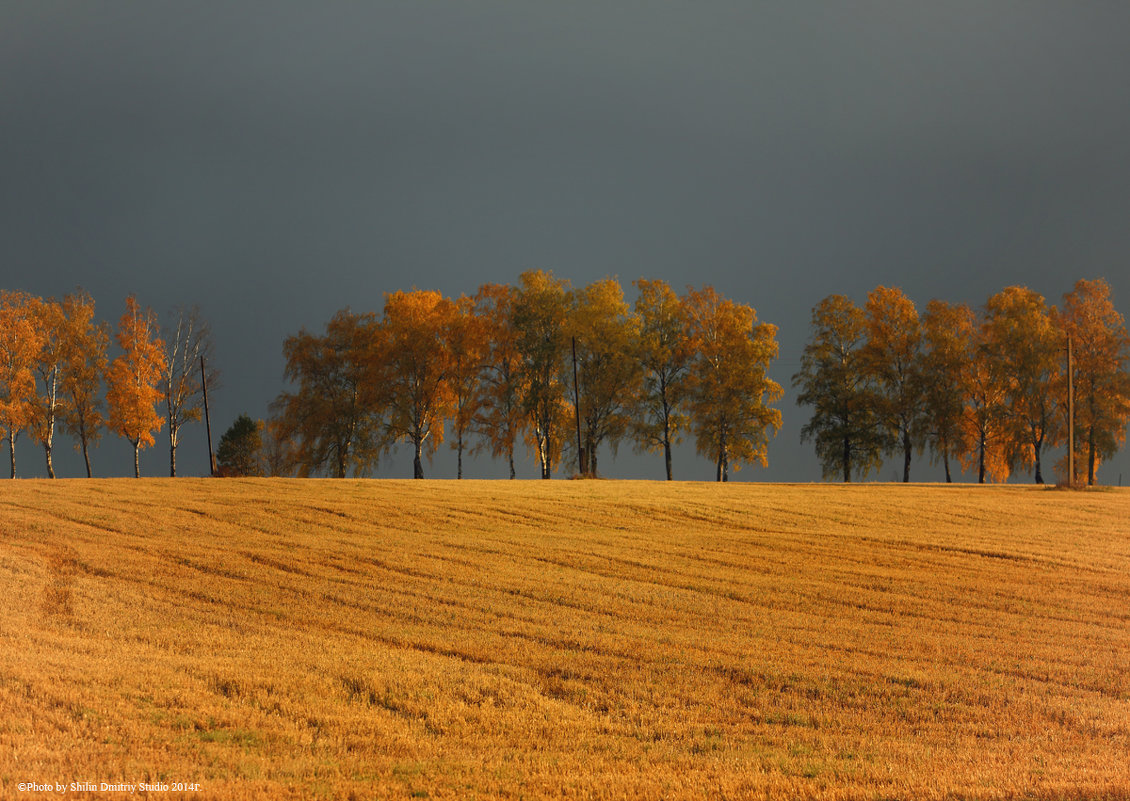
(581, 461)
(207, 419)
(1070, 414)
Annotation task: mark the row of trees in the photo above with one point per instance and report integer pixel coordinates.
(565, 371)
(988, 388)
(55, 372)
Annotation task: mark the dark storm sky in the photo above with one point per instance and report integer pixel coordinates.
(275, 162)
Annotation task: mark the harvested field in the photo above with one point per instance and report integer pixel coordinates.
(585, 639)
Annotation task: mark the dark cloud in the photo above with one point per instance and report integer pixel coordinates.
(277, 161)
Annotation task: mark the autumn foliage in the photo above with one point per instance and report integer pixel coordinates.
(133, 392)
(569, 372)
(20, 343)
(56, 374)
(987, 388)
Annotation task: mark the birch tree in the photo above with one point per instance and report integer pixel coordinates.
(540, 314)
(985, 440)
(186, 340)
(51, 321)
(417, 361)
(133, 388)
(947, 341)
(609, 373)
(332, 422)
(729, 387)
(845, 425)
(892, 357)
(1021, 338)
(501, 413)
(20, 344)
(665, 355)
(1101, 348)
(466, 341)
(83, 373)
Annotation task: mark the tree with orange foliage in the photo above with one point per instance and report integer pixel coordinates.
(665, 354)
(540, 313)
(1101, 350)
(467, 346)
(729, 388)
(947, 342)
(20, 344)
(892, 356)
(52, 324)
(984, 425)
(609, 373)
(500, 416)
(418, 363)
(83, 373)
(133, 392)
(1023, 341)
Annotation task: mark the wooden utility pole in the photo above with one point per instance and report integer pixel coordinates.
(1070, 414)
(581, 461)
(207, 418)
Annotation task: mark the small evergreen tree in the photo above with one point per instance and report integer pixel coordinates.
(240, 448)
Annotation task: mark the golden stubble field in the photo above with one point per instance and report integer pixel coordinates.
(597, 639)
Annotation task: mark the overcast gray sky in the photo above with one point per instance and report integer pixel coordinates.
(274, 162)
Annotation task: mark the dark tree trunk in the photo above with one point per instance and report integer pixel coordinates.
(1039, 474)
(721, 473)
(50, 466)
(946, 462)
(85, 446)
(666, 433)
(906, 452)
(847, 460)
(1091, 456)
(172, 461)
(510, 458)
(417, 466)
(981, 460)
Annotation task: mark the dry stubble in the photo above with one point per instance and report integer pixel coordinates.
(270, 638)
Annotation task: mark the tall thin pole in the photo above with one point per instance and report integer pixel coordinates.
(581, 461)
(207, 418)
(1070, 414)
